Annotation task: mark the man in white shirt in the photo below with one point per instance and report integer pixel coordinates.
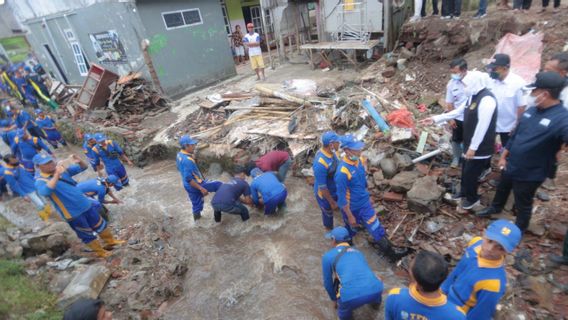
(480, 121)
(559, 64)
(455, 97)
(507, 88)
(252, 42)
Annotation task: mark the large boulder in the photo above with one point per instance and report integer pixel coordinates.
(55, 239)
(388, 166)
(86, 284)
(404, 181)
(425, 195)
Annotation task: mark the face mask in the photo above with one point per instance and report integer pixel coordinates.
(494, 75)
(456, 76)
(532, 101)
(353, 157)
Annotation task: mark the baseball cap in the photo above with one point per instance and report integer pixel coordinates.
(185, 140)
(250, 25)
(547, 80)
(499, 60)
(329, 137)
(505, 233)
(350, 142)
(87, 136)
(255, 172)
(112, 179)
(41, 158)
(99, 137)
(38, 111)
(338, 234)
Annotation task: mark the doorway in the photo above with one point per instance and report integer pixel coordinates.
(55, 62)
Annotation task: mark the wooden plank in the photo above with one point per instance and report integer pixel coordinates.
(422, 142)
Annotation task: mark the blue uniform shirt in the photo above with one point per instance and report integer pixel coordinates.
(476, 284)
(408, 303)
(268, 185)
(22, 118)
(351, 182)
(69, 200)
(324, 166)
(355, 276)
(110, 155)
(535, 142)
(94, 188)
(231, 191)
(48, 125)
(27, 149)
(188, 169)
(21, 181)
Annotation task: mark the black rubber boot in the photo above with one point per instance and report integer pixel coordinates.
(487, 212)
(391, 252)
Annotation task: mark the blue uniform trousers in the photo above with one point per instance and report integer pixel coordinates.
(29, 166)
(326, 212)
(276, 202)
(88, 224)
(345, 309)
(196, 196)
(366, 216)
(120, 172)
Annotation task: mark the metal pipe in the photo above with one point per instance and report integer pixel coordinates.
(427, 156)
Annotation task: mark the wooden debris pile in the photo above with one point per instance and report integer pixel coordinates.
(134, 95)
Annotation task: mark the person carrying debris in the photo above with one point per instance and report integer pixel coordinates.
(252, 41)
(324, 167)
(354, 200)
(456, 98)
(47, 124)
(21, 183)
(111, 154)
(479, 280)
(55, 181)
(480, 121)
(277, 161)
(347, 277)
(194, 183)
(25, 147)
(231, 195)
(530, 156)
(423, 298)
(273, 193)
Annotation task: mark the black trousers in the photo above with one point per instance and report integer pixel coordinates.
(471, 170)
(434, 6)
(451, 8)
(504, 138)
(523, 191)
(522, 4)
(544, 3)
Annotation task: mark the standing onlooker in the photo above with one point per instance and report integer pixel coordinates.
(435, 11)
(239, 49)
(417, 11)
(482, 11)
(545, 5)
(455, 98)
(252, 41)
(559, 64)
(451, 9)
(530, 155)
(524, 5)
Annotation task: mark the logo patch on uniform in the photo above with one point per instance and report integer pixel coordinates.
(473, 106)
(526, 115)
(544, 122)
(404, 315)
(505, 231)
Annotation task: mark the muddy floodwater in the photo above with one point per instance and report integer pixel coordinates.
(265, 268)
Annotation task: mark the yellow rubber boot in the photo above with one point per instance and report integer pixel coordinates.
(109, 240)
(44, 214)
(95, 245)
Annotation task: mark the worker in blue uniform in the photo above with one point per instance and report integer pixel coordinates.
(231, 195)
(109, 153)
(28, 89)
(347, 277)
(3, 183)
(324, 167)
(21, 183)
(354, 201)
(89, 143)
(55, 182)
(423, 298)
(272, 192)
(196, 186)
(7, 131)
(99, 188)
(25, 147)
(479, 280)
(47, 124)
(23, 120)
(18, 79)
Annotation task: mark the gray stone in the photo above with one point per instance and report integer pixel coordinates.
(54, 238)
(86, 284)
(403, 161)
(215, 169)
(425, 195)
(374, 157)
(4, 238)
(404, 181)
(388, 166)
(60, 281)
(13, 250)
(13, 234)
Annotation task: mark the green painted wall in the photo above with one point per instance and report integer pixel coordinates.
(234, 9)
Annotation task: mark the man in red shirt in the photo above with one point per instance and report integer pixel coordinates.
(278, 161)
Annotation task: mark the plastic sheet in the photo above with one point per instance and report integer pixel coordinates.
(525, 52)
(401, 118)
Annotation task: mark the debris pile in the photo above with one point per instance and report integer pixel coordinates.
(133, 95)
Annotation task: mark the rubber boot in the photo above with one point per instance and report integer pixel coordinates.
(109, 240)
(44, 213)
(95, 245)
(456, 154)
(391, 252)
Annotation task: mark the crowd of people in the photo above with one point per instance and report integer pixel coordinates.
(24, 83)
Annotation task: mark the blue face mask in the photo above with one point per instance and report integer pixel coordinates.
(353, 157)
(456, 76)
